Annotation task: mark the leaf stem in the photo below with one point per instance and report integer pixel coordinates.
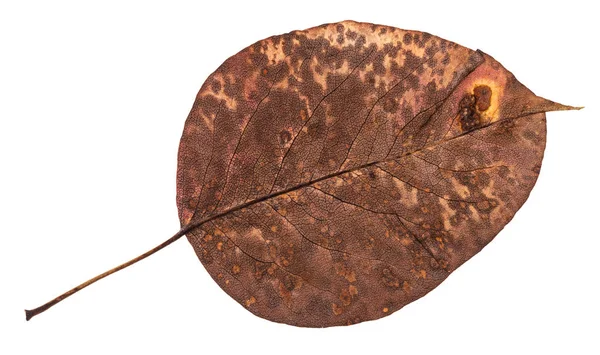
(187, 228)
(33, 312)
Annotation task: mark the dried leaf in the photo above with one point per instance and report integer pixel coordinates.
(333, 175)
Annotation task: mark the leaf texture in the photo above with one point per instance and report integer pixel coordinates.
(342, 172)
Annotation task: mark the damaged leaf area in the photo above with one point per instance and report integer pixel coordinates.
(339, 173)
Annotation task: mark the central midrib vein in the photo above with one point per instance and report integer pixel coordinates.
(190, 226)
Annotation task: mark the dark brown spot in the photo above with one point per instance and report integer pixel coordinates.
(287, 45)
(467, 179)
(390, 105)
(446, 59)
(468, 116)
(389, 279)
(379, 64)
(430, 51)
(361, 41)
(503, 171)
(371, 78)
(216, 86)
(486, 206)
(418, 40)
(530, 135)
(345, 297)
(260, 269)
(506, 126)
(289, 283)
(431, 88)
(483, 97)
(285, 136)
(259, 59)
(273, 299)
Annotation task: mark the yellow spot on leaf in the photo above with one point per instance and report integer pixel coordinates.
(250, 301)
(337, 310)
(350, 276)
(235, 269)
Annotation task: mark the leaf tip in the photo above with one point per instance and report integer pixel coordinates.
(560, 107)
(539, 104)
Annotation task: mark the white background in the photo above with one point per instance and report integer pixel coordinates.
(93, 100)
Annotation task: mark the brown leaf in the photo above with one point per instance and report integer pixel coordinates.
(350, 168)
(333, 175)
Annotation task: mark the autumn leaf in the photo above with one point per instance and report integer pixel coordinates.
(333, 175)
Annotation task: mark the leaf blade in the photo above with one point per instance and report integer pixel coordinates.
(320, 210)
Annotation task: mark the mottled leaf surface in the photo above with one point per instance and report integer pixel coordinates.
(344, 171)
